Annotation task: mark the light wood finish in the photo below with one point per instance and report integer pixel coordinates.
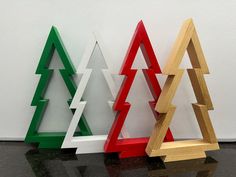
(200, 88)
(189, 149)
(179, 48)
(168, 92)
(177, 157)
(191, 165)
(204, 122)
(182, 147)
(186, 40)
(161, 127)
(196, 54)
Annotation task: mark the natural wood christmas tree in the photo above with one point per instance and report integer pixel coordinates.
(188, 149)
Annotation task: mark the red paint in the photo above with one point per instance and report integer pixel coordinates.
(131, 147)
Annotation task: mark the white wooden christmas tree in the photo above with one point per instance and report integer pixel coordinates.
(93, 143)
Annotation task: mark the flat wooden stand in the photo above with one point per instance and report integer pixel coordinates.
(190, 149)
(183, 150)
(183, 156)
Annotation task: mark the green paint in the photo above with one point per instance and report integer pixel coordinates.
(54, 139)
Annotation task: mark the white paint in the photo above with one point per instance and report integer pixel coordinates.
(25, 26)
(98, 89)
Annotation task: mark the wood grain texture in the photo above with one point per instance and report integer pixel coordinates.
(189, 149)
(200, 88)
(184, 156)
(187, 40)
(204, 122)
(196, 54)
(168, 92)
(183, 147)
(179, 48)
(161, 127)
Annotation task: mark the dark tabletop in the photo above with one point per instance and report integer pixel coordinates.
(20, 160)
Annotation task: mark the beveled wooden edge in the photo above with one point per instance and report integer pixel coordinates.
(204, 122)
(168, 92)
(200, 88)
(187, 39)
(182, 147)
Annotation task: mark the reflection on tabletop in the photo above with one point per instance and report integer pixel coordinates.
(51, 163)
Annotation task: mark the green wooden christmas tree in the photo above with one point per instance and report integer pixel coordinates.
(52, 139)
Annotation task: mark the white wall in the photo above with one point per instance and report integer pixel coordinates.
(25, 24)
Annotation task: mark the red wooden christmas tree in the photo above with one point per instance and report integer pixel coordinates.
(130, 147)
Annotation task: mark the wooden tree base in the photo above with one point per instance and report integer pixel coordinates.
(184, 156)
(183, 150)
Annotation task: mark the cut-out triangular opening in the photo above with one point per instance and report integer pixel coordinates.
(97, 111)
(184, 116)
(140, 116)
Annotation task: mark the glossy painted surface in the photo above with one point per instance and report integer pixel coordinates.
(134, 147)
(52, 139)
(20, 160)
